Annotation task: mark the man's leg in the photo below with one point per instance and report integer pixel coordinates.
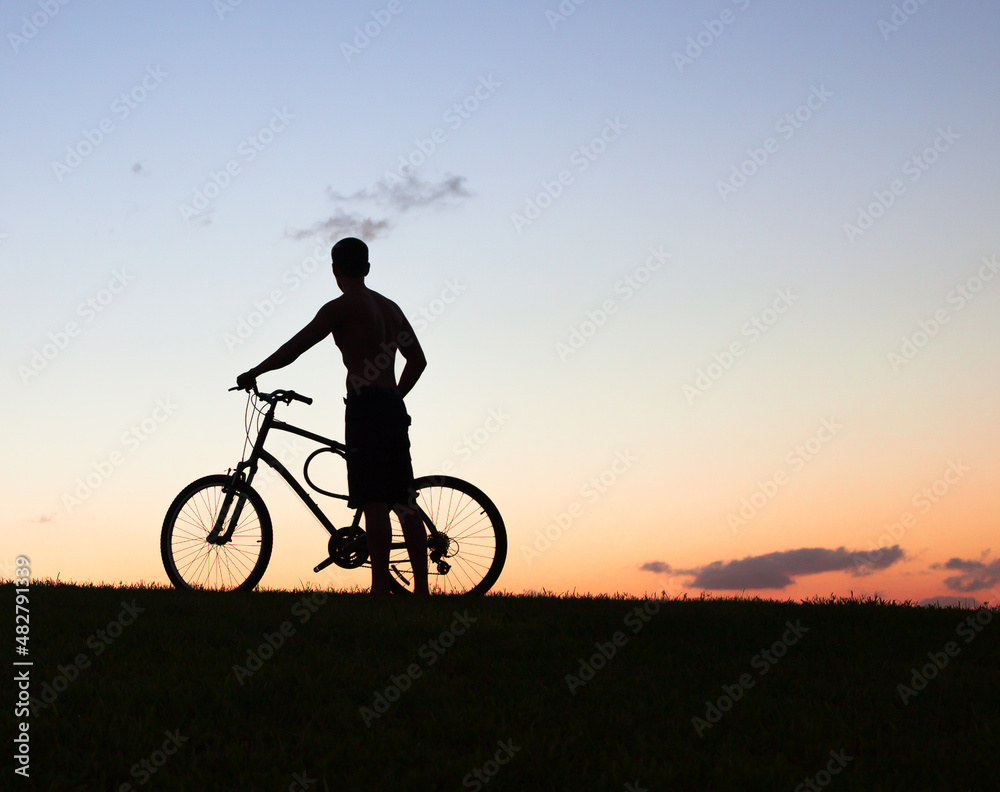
(379, 532)
(416, 547)
(379, 536)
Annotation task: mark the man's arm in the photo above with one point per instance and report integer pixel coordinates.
(319, 328)
(409, 348)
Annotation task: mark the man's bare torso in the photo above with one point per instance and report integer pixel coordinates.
(368, 331)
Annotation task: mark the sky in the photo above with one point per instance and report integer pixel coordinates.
(708, 291)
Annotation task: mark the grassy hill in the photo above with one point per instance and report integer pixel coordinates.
(145, 688)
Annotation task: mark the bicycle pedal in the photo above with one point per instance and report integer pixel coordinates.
(323, 565)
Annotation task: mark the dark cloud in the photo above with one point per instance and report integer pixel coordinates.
(975, 575)
(405, 193)
(949, 602)
(344, 224)
(778, 570)
(392, 199)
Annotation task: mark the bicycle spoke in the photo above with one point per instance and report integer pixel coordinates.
(202, 565)
(469, 538)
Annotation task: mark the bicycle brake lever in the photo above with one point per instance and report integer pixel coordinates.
(255, 391)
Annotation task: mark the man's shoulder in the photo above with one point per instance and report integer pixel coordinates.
(386, 303)
(333, 312)
(333, 305)
(381, 297)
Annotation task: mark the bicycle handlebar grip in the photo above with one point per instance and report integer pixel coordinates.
(289, 396)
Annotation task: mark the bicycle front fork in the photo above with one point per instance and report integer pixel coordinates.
(216, 535)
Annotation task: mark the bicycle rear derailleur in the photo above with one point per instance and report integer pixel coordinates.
(439, 545)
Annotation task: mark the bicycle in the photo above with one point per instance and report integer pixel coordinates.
(217, 533)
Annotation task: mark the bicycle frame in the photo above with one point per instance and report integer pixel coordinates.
(246, 470)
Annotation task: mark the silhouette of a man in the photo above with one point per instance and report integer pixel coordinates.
(369, 329)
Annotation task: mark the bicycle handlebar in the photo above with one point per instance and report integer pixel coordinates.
(286, 396)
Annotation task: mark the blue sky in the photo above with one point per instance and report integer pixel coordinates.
(660, 102)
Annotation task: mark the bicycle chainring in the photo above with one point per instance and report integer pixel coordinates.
(342, 556)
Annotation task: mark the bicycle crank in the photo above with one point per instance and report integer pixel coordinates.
(348, 547)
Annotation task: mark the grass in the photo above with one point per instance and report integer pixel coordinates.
(497, 690)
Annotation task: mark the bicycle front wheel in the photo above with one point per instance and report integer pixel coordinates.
(191, 561)
(466, 539)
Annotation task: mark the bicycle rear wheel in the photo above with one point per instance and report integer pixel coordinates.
(466, 539)
(191, 561)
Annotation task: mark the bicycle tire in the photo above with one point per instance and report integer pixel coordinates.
(193, 564)
(475, 532)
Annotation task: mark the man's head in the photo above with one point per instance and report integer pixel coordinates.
(350, 258)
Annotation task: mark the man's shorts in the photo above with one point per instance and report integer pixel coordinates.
(376, 434)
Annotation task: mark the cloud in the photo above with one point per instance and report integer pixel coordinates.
(950, 602)
(405, 193)
(975, 575)
(778, 570)
(342, 224)
(390, 200)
